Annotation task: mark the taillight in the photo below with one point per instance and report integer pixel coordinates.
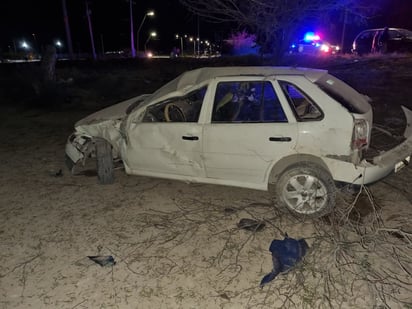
(360, 134)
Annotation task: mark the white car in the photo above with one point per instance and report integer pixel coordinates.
(294, 131)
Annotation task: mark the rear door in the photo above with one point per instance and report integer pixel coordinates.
(249, 130)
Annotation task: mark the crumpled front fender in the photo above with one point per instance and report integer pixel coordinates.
(78, 149)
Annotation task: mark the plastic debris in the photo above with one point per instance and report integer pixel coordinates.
(251, 225)
(58, 173)
(103, 260)
(286, 253)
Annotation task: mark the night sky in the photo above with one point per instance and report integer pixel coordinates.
(110, 18)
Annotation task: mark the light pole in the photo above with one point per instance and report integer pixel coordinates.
(149, 13)
(181, 43)
(152, 35)
(67, 27)
(36, 44)
(209, 48)
(89, 21)
(131, 30)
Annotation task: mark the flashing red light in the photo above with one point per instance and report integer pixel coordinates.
(325, 48)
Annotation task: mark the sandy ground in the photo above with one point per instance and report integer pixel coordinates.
(177, 245)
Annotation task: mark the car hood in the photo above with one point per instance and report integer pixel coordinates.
(114, 112)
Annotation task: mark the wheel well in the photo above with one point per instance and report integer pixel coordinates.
(96, 140)
(286, 162)
(90, 147)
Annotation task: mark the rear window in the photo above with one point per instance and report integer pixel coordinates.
(341, 92)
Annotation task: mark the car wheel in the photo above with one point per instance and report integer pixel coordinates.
(306, 190)
(104, 162)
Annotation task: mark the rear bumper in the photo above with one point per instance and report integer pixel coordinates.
(365, 172)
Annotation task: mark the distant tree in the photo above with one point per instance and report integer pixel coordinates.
(274, 21)
(242, 43)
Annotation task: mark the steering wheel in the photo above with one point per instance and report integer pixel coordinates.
(173, 112)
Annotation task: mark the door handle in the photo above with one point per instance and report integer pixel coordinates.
(280, 139)
(190, 138)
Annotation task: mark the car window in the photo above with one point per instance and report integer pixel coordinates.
(178, 109)
(304, 107)
(367, 35)
(405, 33)
(250, 102)
(348, 97)
(393, 34)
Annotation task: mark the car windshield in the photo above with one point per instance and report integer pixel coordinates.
(348, 97)
(182, 84)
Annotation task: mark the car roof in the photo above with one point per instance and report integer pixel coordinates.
(381, 29)
(188, 80)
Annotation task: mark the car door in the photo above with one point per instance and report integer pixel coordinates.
(164, 144)
(249, 130)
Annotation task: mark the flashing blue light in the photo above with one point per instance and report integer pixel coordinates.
(311, 36)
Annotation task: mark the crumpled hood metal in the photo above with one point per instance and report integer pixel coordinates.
(106, 123)
(114, 112)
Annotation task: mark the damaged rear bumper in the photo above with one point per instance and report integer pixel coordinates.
(365, 172)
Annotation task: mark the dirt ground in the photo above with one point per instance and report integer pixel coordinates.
(177, 245)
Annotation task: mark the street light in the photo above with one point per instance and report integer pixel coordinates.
(198, 47)
(152, 35)
(194, 46)
(58, 45)
(132, 49)
(149, 13)
(24, 45)
(181, 43)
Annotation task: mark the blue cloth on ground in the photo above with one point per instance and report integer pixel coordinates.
(286, 253)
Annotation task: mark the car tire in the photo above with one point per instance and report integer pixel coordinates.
(104, 162)
(306, 190)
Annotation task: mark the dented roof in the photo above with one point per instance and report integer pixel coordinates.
(192, 78)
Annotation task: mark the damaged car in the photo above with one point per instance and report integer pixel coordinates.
(296, 132)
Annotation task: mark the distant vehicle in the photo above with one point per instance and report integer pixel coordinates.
(382, 40)
(313, 45)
